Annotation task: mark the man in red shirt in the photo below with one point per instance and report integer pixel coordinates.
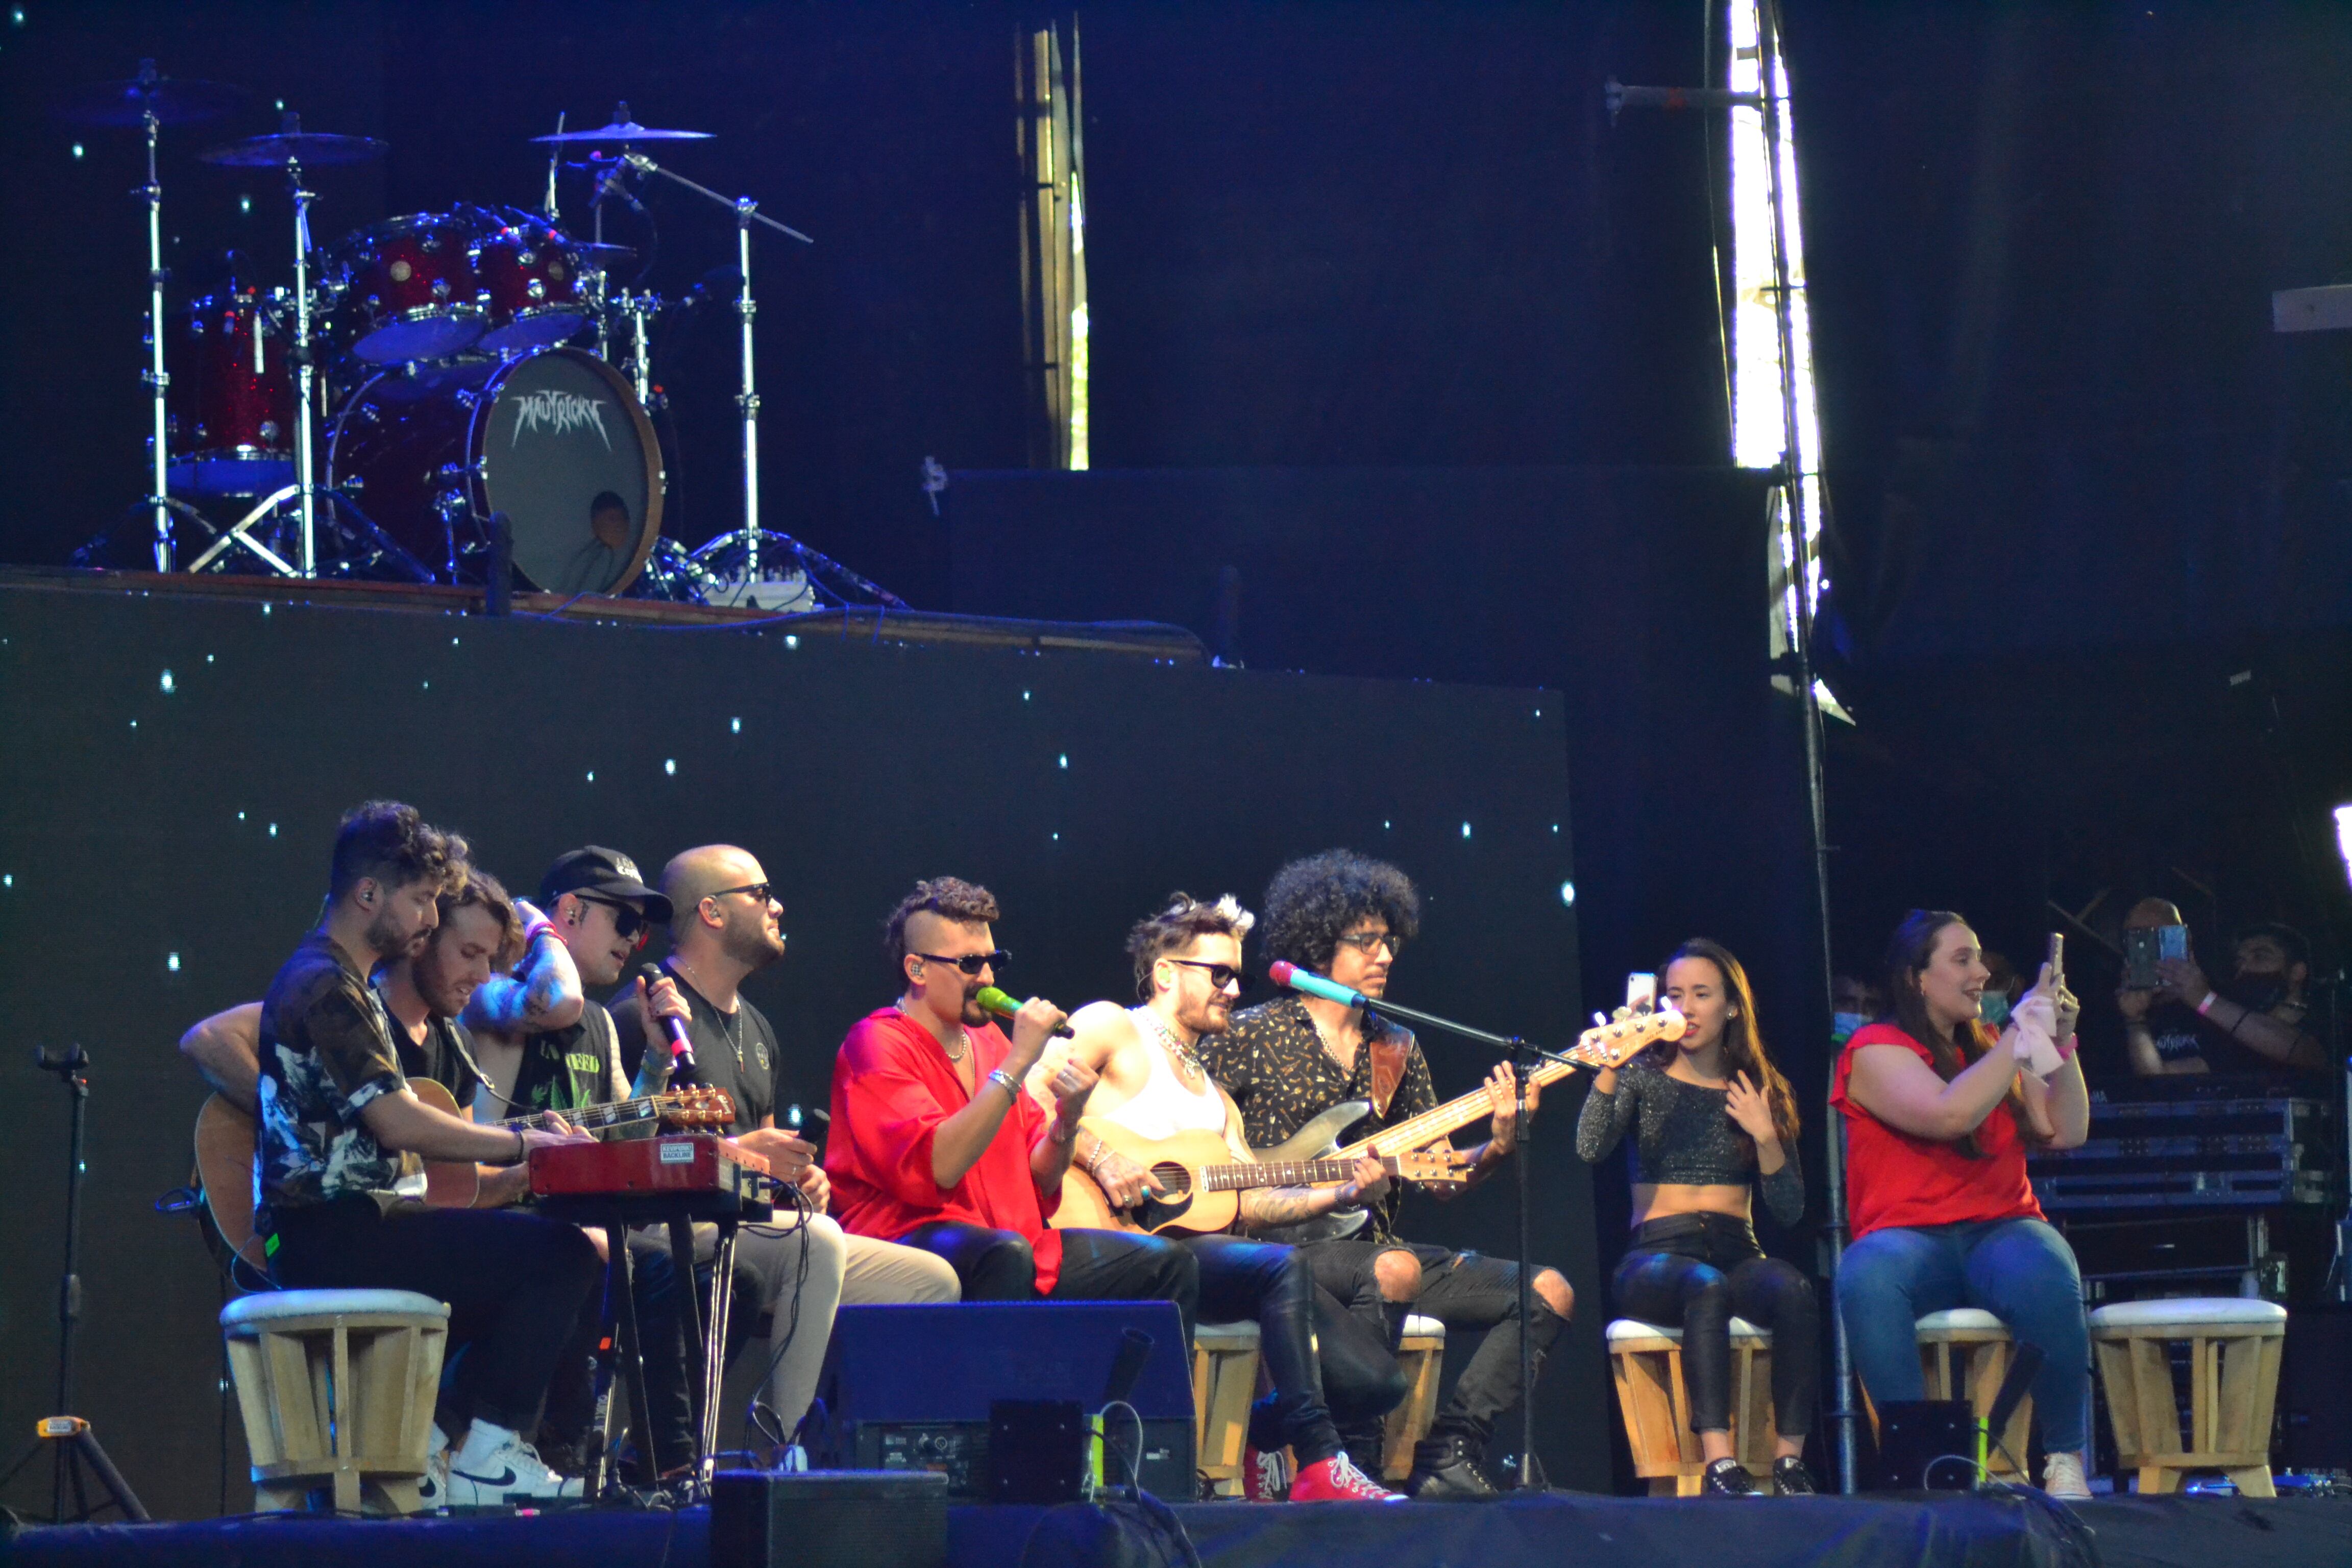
(933, 1145)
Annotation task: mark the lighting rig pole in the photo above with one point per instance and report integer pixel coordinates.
(1791, 512)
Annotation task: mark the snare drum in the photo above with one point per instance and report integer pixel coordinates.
(409, 288)
(532, 274)
(231, 398)
(557, 440)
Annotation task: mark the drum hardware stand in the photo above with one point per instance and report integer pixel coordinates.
(156, 378)
(76, 1446)
(366, 531)
(747, 213)
(305, 373)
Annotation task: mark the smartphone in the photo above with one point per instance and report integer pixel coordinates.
(2145, 947)
(1641, 993)
(2058, 957)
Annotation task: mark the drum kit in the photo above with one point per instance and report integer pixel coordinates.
(460, 397)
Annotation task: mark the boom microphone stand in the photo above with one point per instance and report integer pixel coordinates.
(77, 1445)
(1525, 1058)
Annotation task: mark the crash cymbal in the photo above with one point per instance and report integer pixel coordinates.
(292, 145)
(624, 130)
(128, 103)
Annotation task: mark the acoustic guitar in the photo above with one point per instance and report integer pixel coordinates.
(225, 1139)
(1202, 1182)
(1610, 1044)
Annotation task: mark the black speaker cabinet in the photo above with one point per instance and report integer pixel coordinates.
(1929, 1443)
(2316, 1389)
(767, 1519)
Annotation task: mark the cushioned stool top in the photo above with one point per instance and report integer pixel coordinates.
(1225, 1336)
(1958, 1317)
(2186, 1311)
(275, 1306)
(1425, 1328)
(1634, 1329)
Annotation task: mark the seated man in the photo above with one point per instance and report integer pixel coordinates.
(1345, 917)
(339, 1129)
(2250, 1025)
(1188, 969)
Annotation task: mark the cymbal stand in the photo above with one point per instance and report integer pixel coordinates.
(157, 381)
(747, 213)
(305, 373)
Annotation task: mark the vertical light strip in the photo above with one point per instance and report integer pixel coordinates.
(1077, 322)
(1759, 434)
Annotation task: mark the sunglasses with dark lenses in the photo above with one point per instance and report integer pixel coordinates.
(1220, 975)
(629, 922)
(972, 962)
(759, 890)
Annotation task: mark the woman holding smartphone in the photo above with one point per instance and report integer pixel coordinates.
(1716, 1120)
(1938, 1115)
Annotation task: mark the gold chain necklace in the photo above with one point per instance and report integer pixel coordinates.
(963, 1037)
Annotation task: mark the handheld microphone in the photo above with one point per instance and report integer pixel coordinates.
(681, 1043)
(1284, 973)
(1004, 1006)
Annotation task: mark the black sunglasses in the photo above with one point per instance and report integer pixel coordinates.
(1220, 975)
(759, 891)
(972, 962)
(628, 920)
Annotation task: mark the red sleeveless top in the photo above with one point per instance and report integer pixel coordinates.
(1896, 1179)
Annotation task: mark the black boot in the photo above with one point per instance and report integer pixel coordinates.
(1444, 1472)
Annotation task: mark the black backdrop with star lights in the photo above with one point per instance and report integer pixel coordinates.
(175, 769)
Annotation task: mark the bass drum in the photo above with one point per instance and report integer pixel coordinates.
(556, 440)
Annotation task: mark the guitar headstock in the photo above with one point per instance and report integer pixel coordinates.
(1619, 1041)
(1434, 1167)
(696, 1105)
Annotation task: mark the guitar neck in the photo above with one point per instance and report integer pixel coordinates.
(1285, 1173)
(587, 1116)
(1448, 1118)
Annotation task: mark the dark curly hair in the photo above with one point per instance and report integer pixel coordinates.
(949, 898)
(1908, 953)
(392, 844)
(1311, 902)
(1181, 923)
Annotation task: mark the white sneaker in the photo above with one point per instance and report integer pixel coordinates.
(2062, 1478)
(510, 1473)
(433, 1486)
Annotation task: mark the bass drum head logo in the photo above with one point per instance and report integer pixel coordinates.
(563, 458)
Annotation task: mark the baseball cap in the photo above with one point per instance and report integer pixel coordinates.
(596, 870)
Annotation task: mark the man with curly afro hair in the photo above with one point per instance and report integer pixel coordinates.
(1348, 916)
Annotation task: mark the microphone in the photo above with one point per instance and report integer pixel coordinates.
(681, 1043)
(612, 184)
(2013, 1388)
(1284, 973)
(1004, 1006)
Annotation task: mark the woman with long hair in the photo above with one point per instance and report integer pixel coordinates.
(1716, 1120)
(1938, 1114)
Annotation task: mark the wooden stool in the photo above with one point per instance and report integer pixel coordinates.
(1647, 1359)
(1964, 1353)
(337, 1388)
(1421, 1356)
(2233, 1368)
(1224, 1383)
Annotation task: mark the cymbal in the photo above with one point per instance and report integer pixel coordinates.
(625, 129)
(603, 256)
(292, 145)
(128, 103)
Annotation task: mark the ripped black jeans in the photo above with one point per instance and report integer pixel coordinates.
(1696, 1271)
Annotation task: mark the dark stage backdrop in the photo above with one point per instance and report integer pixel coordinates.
(163, 850)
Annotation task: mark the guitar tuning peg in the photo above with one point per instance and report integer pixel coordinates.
(1599, 1020)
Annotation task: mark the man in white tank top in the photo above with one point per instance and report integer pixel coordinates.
(1188, 970)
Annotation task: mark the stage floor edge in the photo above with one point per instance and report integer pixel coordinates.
(1559, 1527)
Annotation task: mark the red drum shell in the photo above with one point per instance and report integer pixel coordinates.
(532, 277)
(410, 289)
(231, 397)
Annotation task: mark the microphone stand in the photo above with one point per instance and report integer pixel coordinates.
(1525, 1057)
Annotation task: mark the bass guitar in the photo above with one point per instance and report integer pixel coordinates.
(1604, 1046)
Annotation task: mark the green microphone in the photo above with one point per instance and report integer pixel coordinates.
(1004, 1006)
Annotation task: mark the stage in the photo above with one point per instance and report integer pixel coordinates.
(1947, 1533)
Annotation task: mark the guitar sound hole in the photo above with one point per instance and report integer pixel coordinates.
(1174, 1179)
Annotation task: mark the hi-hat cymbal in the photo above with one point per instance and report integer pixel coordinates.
(292, 145)
(624, 130)
(128, 103)
(604, 256)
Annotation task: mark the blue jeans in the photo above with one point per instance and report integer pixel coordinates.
(2020, 1270)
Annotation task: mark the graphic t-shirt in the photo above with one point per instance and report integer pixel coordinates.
(326, 1054)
